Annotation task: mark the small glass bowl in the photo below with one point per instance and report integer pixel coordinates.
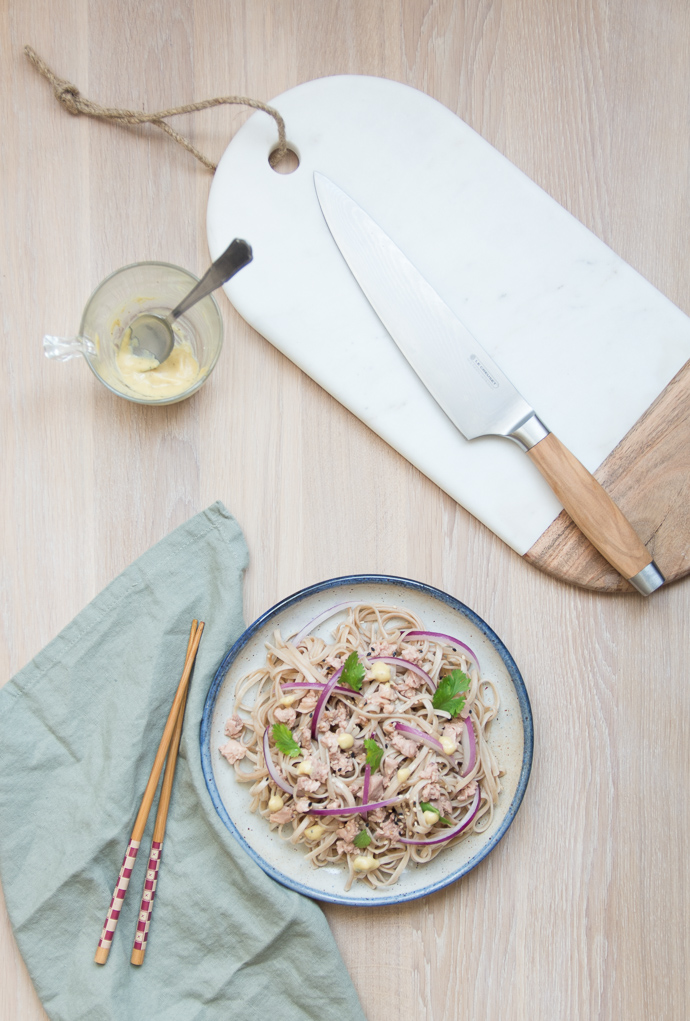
(143, 287)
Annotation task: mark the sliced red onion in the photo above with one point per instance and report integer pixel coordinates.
(439, 637)
(315, 686)
(320, 619)
(323, 698)
(354, 809)
(469, 747)
(419, 735)
(397, 661)
(473, 809)
(367, 781)
(271, 767)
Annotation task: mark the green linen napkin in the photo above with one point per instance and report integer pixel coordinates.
(79, 728)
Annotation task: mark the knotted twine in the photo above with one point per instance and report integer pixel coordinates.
(71, 98)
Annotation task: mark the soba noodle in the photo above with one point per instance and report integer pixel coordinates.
(331, 772)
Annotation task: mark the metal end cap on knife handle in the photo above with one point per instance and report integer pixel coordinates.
(648, 580)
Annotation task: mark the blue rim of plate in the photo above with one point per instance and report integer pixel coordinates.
(333, 583)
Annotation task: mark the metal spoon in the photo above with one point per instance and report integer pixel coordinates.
(152, 335)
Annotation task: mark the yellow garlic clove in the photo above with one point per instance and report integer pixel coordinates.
(380, 671)
(365, 863)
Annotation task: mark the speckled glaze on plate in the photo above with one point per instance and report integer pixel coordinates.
(511, 737)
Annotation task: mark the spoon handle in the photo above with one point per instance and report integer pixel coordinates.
(236, 255)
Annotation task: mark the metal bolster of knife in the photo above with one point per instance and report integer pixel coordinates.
(530, 431)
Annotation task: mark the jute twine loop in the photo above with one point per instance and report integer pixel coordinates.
(71, 98)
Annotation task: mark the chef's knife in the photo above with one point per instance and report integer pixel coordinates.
(468, 385)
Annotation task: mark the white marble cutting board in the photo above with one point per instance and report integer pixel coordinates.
(587, 340)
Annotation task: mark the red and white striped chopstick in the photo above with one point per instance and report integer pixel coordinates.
(111, 919)
(146, 908)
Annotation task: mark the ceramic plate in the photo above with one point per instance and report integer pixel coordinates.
(511, 737)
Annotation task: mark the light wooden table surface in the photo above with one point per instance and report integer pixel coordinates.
(582, 911)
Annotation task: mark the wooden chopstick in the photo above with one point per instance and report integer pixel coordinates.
(146, 908)
(111, 919)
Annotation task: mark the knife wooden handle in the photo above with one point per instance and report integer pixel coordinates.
(591, 508)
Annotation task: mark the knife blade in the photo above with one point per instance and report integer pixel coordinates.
(469, 386)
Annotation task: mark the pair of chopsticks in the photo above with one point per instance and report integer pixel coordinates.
(169, 744)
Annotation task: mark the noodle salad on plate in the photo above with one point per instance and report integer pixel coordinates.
(369, 751)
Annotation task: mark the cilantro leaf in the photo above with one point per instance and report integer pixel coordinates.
(362, 839)
(447, 696)
(353, 672)
(374, 753)
(426, 807)
(285, 742)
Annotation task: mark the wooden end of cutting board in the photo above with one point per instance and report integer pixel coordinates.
(648, 475)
